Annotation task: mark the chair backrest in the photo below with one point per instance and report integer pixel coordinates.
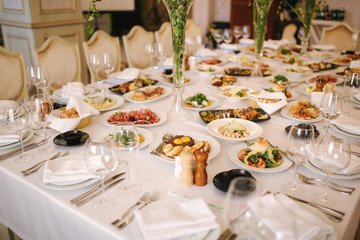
(61, 59)
(338, 35)
(13, 77)
(289, 32)
(164, 36)
(101, 42)
(134, 44)
(192, 30)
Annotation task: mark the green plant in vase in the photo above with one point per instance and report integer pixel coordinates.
(260, 14)
(178, 11)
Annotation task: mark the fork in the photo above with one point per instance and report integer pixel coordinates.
(304, 180)
(142, 200)
(37, 166)
(309, 179)
(154, 196)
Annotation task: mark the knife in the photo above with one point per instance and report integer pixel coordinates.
(26, 148)
(321, 208)
(78, 204)
(82, 196)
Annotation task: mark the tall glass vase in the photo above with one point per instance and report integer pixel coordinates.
(304, 44)
(178, 11)
(260, 14)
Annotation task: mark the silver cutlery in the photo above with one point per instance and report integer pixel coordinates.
(142, 200)
(97, 193)
(324, 182)
(165, 139)
(37, 166)
(154, 196)
(26, 148)
(346, 192)
(96, 188)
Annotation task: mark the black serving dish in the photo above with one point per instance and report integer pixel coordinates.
(243, 72)
(117, 89)
(222, 180)
(71, 139)
(317, 133)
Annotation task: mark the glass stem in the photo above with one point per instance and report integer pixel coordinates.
(96, 75)
(324, 195)
(103, 196)
(128, 173)
(22, 144)
(294, 182)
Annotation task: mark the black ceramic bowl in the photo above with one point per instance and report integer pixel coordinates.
(73, 136)
(222, 180)
(306, 126)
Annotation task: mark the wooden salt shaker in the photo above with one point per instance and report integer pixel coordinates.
(186, 174)
(201, 157)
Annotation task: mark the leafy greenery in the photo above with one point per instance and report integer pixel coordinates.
(91, 15)
(199, 98)
(260, 14)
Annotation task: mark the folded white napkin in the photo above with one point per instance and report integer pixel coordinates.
(66, 171)
(287, 219)
(316, 98)
(347, 124)
(324, 47)
(84, 110)
(355, 64)
(270, 108)
(230, 46)
(275, 44)
(6, 137)
(245, 41)
(75, 89)
(168, 221)
(127, 74)
(205, 52)
(168, 61)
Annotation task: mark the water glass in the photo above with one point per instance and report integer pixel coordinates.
(246, 31)
(228, 35)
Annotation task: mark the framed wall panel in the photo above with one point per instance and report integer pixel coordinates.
(57, 5)
(12, 5)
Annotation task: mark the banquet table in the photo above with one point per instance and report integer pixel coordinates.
(33, 211)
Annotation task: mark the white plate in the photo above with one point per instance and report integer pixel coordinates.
(313, 168)
(162, 80)
(223, 60)
(220, 92)
(233, 155)
(302, 88)
(217, 70)
(339, 80)
(119, 101)
(87, 90)
(354, 102)
(206, 235)
(160, 114)
(148, 136)
(286, 113)
(254, 129)
(341, 131)
(214, 145)
(70, 185)
(209, 81)
(296, 74)
(294, 96)
(29, 135)
(215, 103)
(127, 96)
(323, 47)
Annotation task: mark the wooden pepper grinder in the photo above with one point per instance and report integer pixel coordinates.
(186, 174)
(201, 157)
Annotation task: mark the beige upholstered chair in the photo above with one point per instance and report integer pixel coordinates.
(163, 35)
(103, 42)
(192, 30)
(339, 35)
(289, 33)
(134, 44)
(13, 77)
(61, 59)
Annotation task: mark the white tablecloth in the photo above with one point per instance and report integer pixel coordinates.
(35, 212)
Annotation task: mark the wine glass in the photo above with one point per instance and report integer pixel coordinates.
(108, 64)
(160, 52)
(237, 33)
(332, 155)
(41, 108)
(246, 31)
(300, 145)
(236, 216)
(96, 63)
(100, 161)
(218, 36)
(150, 51)
(351, 88)
(34, 73)
(330, 107)
(354, 40)
(43, 79)
(18, 121)
(228, 35)
(125, 146)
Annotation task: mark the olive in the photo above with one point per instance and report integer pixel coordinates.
(132, 118)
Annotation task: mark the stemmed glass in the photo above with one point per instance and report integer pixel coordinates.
(236, 216)
(100, 161)
(246, 31)
(18, 121)
(218, 36)
(354, 40)
(41, 108)
(96, 62)
(237, 33)
(332, 155)
(43, 79)
(300, 145)
(34, 74)
(125, 146)
(160, 53)
(150, 51)
(108, 64)
(330, 107)
(351, 88)
(228, 35)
